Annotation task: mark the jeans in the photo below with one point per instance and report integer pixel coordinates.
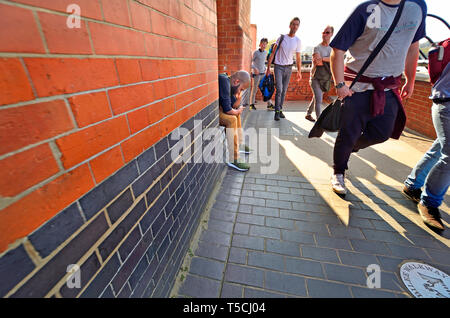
(282, 78)
(359, 129)
(256, 80)
(433, 170)
(316, 102)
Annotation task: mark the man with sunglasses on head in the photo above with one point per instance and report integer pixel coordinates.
(283, 60)
(320, 73)
(372, 111)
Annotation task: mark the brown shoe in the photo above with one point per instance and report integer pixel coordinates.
(310, 118)
(431, 216)
(412, 194)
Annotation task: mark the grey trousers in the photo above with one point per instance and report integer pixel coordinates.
(316, 102)
(282, 78)
(256, 81)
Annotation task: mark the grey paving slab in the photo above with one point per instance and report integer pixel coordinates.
(360, 292)
(439, 256)
(250, 219)
(225, 197)
(253, 201)
(304, 267)
(391, 281)
(244, 208)
(278, 204)
(281, 190)
(320, 254)
(265, 195)
(238, 255)
(248, 193)
(257, 293)
(207, 268)
(231, 291)
(324, 289)
(200, 287)
(285, 283)
(370, 247)
(357, 259)
(254, 187)
(270, 211)
(216, 237)
(221, 226)
(284, 248)
(342, 231)
(263, 231)
(390, 264)
(222, 215)
(408, 252)
(333, 242)
(303, 226)
(280, 223)
(213, 251)
(296, 236)
(266, 260)
(250, 242)
(241, 228)
(244, 275)
(295, 215)
(345, 274)
(303, 192)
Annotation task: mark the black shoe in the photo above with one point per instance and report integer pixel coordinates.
(270, 107)
(282, 115)
(277, 116)
(310, 118)
(412, 194)
(252, 106)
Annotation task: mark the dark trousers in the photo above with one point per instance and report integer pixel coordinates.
(359, 129)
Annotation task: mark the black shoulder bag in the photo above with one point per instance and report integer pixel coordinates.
(330, 118)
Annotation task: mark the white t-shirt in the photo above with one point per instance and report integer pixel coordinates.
(288, 48)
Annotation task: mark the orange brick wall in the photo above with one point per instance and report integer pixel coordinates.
(78, 104)
(234, 35)
(418, 110)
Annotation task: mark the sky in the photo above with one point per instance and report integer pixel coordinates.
(272, 17)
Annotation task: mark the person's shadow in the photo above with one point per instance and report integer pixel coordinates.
(374, 193)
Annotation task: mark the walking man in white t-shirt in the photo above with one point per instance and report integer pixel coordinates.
(283, 61)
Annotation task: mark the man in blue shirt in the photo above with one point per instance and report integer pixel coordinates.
(230, 110)
(433, 170)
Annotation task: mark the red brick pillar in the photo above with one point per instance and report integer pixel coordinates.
(234, 38)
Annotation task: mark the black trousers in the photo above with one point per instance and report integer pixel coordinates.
(359, 129)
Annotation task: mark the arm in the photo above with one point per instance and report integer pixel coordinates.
(299, 66)
(410, 69)
(337, 70)
(254, 69)
(236, 108)
(272, 55)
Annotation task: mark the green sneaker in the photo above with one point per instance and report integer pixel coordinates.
(241, 166)
(244, 149)
(270, 107)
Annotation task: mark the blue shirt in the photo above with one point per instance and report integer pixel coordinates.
(226, 100)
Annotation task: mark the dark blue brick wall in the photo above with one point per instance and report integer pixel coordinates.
(142, 252)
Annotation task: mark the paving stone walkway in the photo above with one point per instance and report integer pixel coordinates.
(290, 236)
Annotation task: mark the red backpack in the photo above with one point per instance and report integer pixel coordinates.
(438, 57)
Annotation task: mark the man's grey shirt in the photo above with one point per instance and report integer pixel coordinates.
(259, 60)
